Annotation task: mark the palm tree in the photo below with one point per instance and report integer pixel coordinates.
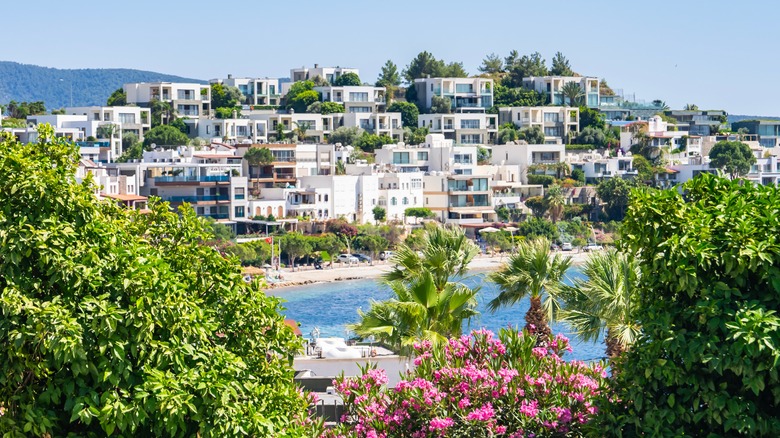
(428, 303)
(573, 91)
(257, 157)
(533, 271)
(418, 312)
(605, 298)
(555, 201)
(300, 130)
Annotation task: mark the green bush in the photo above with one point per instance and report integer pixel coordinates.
(707, 361)
(545, 180)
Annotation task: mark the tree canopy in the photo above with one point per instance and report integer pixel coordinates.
(114, 322)
(560, 66)
(425, 64)
(734, 157)
(117, 98)
(409, 113)
(165, 135)
(706, 361)
(389, 76)
(348, 79)
(526, 66)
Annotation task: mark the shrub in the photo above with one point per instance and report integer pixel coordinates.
(476, 385)
(544, 180)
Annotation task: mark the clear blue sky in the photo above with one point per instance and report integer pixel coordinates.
(716, 54)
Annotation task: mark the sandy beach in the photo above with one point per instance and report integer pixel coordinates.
(308, 275)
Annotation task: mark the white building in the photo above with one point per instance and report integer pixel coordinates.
(210, 180)
(107, 134)
(526, 155)
(187, 100)
(553, 86)
(558, 123)
(678, 144)
(256, 91)
(330, 74)
(597, 166)
(356, 99)
(467, 128)
(128, 119)
(462, 92)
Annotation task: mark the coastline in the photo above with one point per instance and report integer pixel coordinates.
(307, 275)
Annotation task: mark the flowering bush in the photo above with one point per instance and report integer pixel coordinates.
(476, 385)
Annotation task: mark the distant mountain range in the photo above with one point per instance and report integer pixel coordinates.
(57, 88)
(737, 117)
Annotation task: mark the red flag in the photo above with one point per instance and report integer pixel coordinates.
(269, 240)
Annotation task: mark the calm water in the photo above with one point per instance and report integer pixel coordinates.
(332, 306)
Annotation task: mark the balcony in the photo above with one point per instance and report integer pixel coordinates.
(469, 204)
(199, 198)
(191, 179)
(217, 215)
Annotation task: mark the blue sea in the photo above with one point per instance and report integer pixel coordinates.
(331, 306)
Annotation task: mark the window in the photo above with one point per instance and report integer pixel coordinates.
(470, 138)
(393, 201)
(469, 124)
(326, 197)
(126, 118)
(358, 97)
(422, 156)
(239, 211)
(400, 157)
(551, 117)
(405, 201)
(360, 109)
(464, 88)
(552, 131)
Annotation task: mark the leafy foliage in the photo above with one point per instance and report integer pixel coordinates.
(441, 105)
(614, 192)
(117, 98)
(538, 227)
(300, 96)
(532, 271)
(526, 66)
(517, 96)
(560, 66)
(492, 64)
(348, 79)
(344, 135)
(331, 107)
(734, 157)
(409, 113)
(165, 136)
(706, 362)
(369, 142)
(425, 64)
(114, 322)
(389, 76)
(532, 135)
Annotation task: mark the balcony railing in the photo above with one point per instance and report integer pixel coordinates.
(469, 204)
(175, 179)
(198, 198)
(217, 215)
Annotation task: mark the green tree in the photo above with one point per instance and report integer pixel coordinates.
(160, 112)
(573, 92)
(605, 298)
(341, 168)
(294, 246)
(415, 136)
(734, 157)
(591, 118)
(373, 244)
(419, 212)
(538, 205)
(331, 244)
(506, 133)
(578, 175)
(257, 157)
(424, 64)
(165, 136)
(441, 105)
(331, 107)
(706, 361)
(560, 66)
(538, 227)
(427, 304)
(527, 66)
(492, 64)
(348, 79)
(532, 271)
(301, 128)
(117, 98)
(225, 96)
(292, 101)
(379, 214)
(368, 142)
(455, 70)
(614, 193)
(233, 112)
(508, 96)
(120, 323)
(409, 113)
(511, 59)
(344, 135)
(532, 135)
(389, 76)
(555, 201)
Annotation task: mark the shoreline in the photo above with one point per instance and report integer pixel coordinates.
(307, 275)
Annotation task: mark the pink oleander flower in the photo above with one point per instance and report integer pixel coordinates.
(464, 403)
(482, 414)
(529, 409)
(441, 423)
(540, 352)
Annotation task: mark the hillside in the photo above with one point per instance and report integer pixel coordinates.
(22, 82)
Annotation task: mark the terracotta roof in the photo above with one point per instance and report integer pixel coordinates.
(215, 156)
(294, 326)
(119, 197)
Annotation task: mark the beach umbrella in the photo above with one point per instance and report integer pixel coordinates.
(489, 230)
